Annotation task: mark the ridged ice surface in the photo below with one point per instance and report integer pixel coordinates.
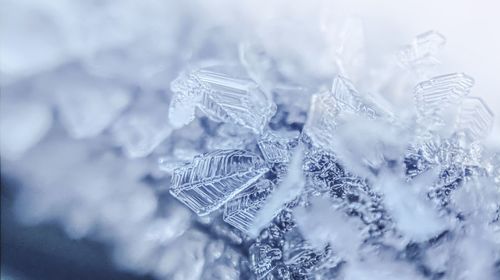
(240, 211)
(475, 118)
(222, 97)
(276, 148)
(423, 50)
(263, 259)
(442, 91)
(214, 178)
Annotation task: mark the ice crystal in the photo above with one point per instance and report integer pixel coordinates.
(221, 97)
(214, 178)
(240, 211)
(247, 147)
(423, 50)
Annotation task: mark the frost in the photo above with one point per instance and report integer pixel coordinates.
(299, 155)
(263, 258)
(222, 98)
(241, 210)
(214, 178)
(291, 187)
(276, 148)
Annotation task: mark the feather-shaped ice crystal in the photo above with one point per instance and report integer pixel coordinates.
(241, 210)
(222, 98)
(440, 91)
(214, 178)
(475, 118)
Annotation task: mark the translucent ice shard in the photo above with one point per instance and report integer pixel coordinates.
(263, 259)
(348, 99)
(439, 92)
(222, 98)
(214, 178)
(321, 120)
(475, 119)
(188, 93)
(327, 107)
(276, 148)
(241, 210)
(423, 50)
(438, 103)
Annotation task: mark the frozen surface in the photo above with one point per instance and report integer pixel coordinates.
(255, 141)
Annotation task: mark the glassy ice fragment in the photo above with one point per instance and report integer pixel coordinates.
(475, 119)
(214, 178)
(326, 108)
(321, 121)
(348, 99)
(222, 98)
(241, 210)
(275, 148)
(441, 91)
(423, 50)
(263, 259)
(188, 92)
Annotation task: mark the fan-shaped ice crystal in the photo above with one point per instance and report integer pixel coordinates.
(241, 210)
(214, 178)
(222, 98)
(475, 118)
(441, 91)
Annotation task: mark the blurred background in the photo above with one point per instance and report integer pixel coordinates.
(86, 147)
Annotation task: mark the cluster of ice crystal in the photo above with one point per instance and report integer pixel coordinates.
(199, 153)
